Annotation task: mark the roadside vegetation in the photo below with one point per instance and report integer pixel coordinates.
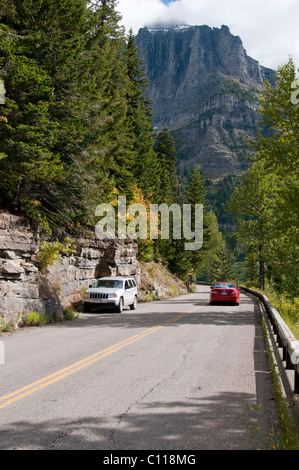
(288, 308)
(265, 201)
(284, 434)
(34, 318)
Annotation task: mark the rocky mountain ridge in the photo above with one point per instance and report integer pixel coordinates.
(205, 89)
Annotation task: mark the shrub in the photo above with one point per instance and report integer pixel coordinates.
(5, 326)
(50, 252)
(35, 319)
(70, 314)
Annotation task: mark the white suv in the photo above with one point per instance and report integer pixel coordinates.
(115, 292)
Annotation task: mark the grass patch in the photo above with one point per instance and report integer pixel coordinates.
(287, 308)
(35, 319)
(5, 327)
(70, 314)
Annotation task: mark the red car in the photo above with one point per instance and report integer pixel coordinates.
(224, 292)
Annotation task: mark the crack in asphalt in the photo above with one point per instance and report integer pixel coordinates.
(145, 395)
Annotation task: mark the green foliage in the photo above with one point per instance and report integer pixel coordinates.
(265, 203)
(244, 93)
(146, 165)
(288, 308)
(165, 149)
(70, 314)
(280, 150)
(254, 206)
(222, 267)
(50, 252)
(218, 195)
(35, 319)
(5, 326)
(76, 123)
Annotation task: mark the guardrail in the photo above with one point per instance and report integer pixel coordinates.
(284, 337)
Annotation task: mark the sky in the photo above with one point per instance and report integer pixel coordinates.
(269, 29)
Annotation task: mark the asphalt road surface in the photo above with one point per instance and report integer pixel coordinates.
(172, 375)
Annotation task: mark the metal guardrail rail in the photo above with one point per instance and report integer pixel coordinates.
(284, 337)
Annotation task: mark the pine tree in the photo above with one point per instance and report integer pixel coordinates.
(280, 152)
(196, 195)
(222, 267)
(165, 149)
(139, 114)
(106, 45)
(254, 205)
(210, 255)
(29, 134)
(64, 134)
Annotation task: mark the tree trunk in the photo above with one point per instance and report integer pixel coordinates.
(261, 270)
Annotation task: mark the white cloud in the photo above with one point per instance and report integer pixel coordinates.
(268, 28)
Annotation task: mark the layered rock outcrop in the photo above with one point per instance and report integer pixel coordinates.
(23, 288)
(205, 89)
(19, 277)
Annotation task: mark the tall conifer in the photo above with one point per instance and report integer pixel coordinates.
(146, 167)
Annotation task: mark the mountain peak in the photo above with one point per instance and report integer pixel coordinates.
(205, 89)
(167, 27)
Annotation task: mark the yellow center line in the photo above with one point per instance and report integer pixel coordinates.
(77, 366)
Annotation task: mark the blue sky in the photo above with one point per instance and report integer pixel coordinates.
(268, 28)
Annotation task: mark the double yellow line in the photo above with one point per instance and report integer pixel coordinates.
(7, 400)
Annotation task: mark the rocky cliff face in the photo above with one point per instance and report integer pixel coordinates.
(23, 288)
(205, 89)
(19, 278)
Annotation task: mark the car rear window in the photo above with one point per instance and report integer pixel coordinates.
(224, 285)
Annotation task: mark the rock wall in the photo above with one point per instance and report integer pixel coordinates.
(24, 288)
(19, 277)
(94, 258)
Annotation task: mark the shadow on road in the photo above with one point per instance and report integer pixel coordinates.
(223, 421)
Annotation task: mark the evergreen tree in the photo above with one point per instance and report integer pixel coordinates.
(165, 149)
(28, 135)
(280, 152)
(106, 46)
(222, 266)
(146, 166)
(251, 267)
(64, 131)
(210, 258)
(254, 205)
(196, 194)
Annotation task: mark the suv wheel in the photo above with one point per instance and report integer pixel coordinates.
(133, 306)
(120, 305)
(86, 307)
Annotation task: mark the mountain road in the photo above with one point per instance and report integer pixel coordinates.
(177, 374)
